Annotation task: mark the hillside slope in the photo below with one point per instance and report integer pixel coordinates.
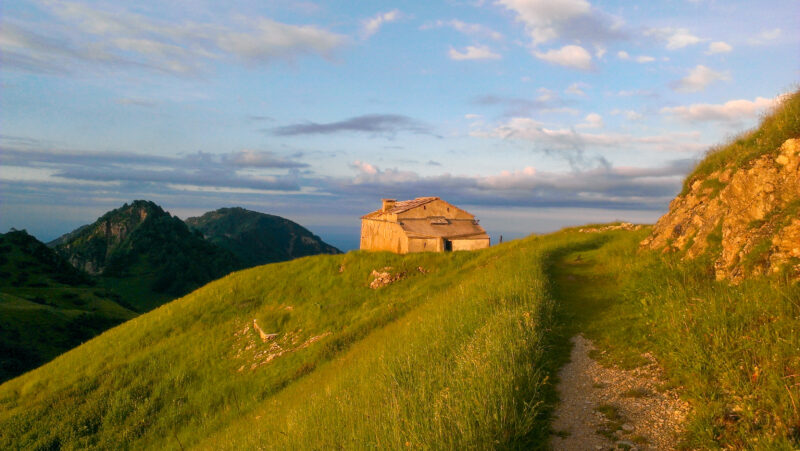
(149, 255)
(307, 343)
(258, 238)
(741, 205)
(46, 305)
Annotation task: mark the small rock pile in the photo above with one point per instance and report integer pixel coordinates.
(622, 226)
(385, 277)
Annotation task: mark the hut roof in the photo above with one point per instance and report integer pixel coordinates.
(401, 206)
(438, 227)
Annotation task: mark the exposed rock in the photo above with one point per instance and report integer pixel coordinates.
(384, 277)
(265, 337)
(747, 219)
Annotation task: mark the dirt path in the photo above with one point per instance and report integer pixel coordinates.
(611, 408)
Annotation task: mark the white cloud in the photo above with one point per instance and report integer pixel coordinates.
(592, 120)
(268, 40)
(371, 174)
(373, 24)
(546, 20)
(577, 89)
(116, 38)
(471, 29)
(599, 51)
(731, 111)
(698, 79)
(644, 59)
(544, 17)
(623, 55)
(573, 56)
(765, 37)
(718, 47)
(629, 114)
(364, 168)
(473, 53)
(676, 38)
(568, 140)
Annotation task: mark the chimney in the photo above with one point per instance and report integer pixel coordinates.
(388, 204)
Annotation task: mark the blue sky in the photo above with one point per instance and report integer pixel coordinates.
(532, 114)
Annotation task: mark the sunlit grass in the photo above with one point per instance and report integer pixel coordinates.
(735, 350)
(462, 355)
(457, 355)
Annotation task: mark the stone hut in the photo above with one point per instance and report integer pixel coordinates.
(424, 224)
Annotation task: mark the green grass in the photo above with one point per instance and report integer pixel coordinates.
(46, 305)
(462, 356)
(459, 356)
(734, 350)
(612, 423)
(775, 128)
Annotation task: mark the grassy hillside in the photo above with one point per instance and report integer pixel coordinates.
(735, 350)
(461, 352)
(469, 334)
(258, 238)
(46, 305)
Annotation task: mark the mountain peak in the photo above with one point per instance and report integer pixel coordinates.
(258, 238)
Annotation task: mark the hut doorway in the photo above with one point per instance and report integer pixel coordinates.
(448, 246)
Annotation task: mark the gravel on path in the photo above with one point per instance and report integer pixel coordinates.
(611, 408)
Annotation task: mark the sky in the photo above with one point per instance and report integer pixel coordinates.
(531, 114)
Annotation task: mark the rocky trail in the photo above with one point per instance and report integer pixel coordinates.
(611, 408)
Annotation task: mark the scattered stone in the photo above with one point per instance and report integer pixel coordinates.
(248, 350)
(265, 337)
(622, 226)
(383, 278)
(611, 415)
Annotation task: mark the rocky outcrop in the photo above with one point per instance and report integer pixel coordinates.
(90, 247)
(746, 218)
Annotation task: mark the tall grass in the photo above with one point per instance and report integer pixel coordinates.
(734, 349)
(468, 369)
(455, 356)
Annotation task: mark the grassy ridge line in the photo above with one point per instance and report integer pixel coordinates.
(172, 375)
(467, 369)
(734, 349)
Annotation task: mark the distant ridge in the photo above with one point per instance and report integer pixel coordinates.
(46, 305)
(142, 247)
(258, 238)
